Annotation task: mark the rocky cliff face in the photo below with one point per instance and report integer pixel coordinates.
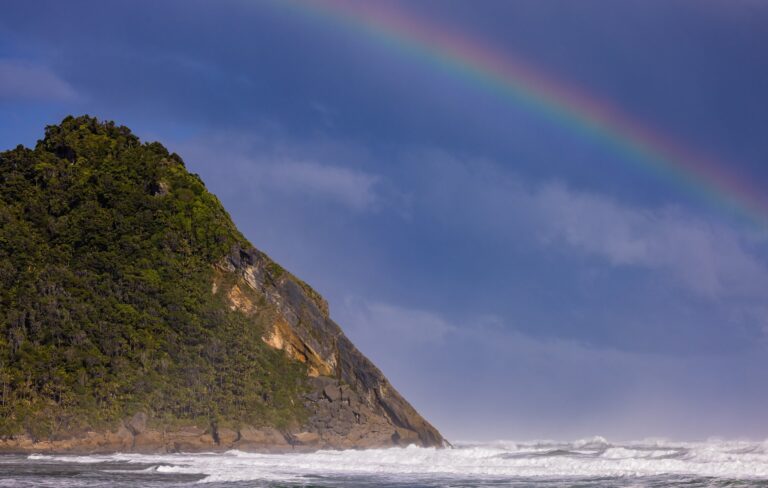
(351, 402)
(135, 317)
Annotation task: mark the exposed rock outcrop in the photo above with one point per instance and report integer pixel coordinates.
(352, 403)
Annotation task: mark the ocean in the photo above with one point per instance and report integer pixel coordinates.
(585, 463)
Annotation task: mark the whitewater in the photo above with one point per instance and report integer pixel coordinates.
(585, 463)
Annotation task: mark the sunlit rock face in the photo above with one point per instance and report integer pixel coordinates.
(351, 403)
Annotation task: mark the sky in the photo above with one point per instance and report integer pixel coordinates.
(513, 274)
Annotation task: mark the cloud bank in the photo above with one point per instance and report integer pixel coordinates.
(703, 256)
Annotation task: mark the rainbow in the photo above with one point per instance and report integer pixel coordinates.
(519, 83)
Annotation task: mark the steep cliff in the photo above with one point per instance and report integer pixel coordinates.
(134, 316)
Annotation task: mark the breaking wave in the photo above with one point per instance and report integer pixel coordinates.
(588, 458)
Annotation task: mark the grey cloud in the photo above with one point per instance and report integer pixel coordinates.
(29, 81)
(375, 322)
(707, 257)
(352, 188)
(409, 327)
(275, 168)
(469, 366)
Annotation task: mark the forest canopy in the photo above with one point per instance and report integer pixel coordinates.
(108, 249)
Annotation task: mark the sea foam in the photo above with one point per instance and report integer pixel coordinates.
(497, 460)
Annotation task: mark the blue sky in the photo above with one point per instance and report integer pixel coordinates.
(513, 278)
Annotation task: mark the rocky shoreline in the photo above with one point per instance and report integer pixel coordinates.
(128, 437)
(340, 420)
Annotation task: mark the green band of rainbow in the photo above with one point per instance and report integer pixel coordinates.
(526, 87)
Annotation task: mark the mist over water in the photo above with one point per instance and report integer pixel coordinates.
(585, 463)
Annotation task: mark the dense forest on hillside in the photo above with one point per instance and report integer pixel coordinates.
(107, 254)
